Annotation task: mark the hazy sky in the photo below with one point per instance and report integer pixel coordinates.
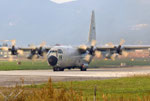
(32, 21)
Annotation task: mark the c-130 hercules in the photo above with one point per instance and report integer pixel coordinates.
(68, 57)
(62, 57)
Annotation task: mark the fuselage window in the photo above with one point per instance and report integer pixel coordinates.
(53, 52)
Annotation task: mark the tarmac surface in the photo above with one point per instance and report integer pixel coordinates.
(11, 78)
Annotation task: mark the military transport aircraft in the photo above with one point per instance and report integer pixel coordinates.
(68, 57)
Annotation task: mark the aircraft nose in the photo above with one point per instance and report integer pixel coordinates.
(52, 60)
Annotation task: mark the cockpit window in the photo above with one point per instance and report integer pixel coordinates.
(53, 51)
(60, 51)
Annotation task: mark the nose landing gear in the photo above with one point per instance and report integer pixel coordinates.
(83, 68)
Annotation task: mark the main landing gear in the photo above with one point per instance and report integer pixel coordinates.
(58, 69)
(82, 68)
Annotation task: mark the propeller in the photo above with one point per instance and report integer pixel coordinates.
(40, 49)
(91, 51)
(118, 50)
(32, 52)
(13, 49)
(37, 51)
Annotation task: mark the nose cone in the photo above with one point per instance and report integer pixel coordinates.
(52, 60)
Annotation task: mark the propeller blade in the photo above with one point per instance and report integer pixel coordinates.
(98, 54)
(124, 53)
(93, 43)
(10, 59)
(5, 48)
(110, 44)
(44, 56)
(13, 42)
(43, 44)
(83, 47)
(122, 41)
(32, 46)
(34, 57)
(113, 57)
(21, 52)
(87, 57)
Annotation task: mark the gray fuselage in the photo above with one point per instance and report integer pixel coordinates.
(65, 57)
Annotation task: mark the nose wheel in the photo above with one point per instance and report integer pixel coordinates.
(58, 69)
(83, 68)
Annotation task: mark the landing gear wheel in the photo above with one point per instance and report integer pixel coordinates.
(58, 69)
(83, 69)
(61, 69)
(54, 69)
(69, 68)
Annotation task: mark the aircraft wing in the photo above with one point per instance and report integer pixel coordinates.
(110, 52)
(125, 47)
(39, 51)
(105, 48)
(26, 49)
(136, 47)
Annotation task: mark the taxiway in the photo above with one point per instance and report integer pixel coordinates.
(11, 78)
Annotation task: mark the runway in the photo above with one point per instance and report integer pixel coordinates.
(11, 78)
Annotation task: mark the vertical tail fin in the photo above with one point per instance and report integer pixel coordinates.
(92, 32)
